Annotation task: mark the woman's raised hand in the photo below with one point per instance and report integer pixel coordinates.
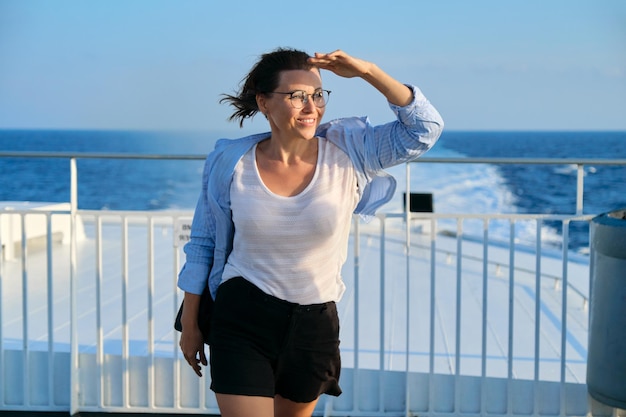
(347, 66)
(341, 64)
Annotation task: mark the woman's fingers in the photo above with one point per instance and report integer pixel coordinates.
(193, 352)
(340, 63)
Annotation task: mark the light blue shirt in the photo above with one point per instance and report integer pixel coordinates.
(370, 148)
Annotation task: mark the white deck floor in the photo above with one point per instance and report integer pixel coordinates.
(369, 287)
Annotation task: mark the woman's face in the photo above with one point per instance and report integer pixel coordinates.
(286, 120)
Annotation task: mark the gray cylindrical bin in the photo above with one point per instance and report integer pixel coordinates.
(606, 361)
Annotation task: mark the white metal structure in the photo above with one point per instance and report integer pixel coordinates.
(432, 324)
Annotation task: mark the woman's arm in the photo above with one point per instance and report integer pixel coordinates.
(193, 278)
(417, 127)
(191, 341)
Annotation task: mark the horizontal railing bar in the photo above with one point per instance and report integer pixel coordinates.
(491, 216)
(188, 213)
(145, 214)
(522, 161)
(494, 216)
(91, 155)
(422, 160)
(42, 212)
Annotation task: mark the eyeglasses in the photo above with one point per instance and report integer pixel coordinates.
(300, 98)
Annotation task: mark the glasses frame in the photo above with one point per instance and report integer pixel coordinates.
(305, 97)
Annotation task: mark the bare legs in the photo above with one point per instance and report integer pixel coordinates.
(246, 406)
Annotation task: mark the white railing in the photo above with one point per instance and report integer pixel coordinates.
(108, 344)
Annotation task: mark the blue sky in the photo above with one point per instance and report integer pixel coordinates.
(162, 64)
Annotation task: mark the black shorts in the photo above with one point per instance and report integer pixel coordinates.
(263, 346)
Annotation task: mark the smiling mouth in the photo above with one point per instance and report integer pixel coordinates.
(307, 121)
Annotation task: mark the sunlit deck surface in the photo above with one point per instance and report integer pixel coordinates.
(398, 303)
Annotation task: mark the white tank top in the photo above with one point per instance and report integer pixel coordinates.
(294, 247)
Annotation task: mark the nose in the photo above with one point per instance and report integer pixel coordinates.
(308, 104)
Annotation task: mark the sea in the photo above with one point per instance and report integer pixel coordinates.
(106, 184)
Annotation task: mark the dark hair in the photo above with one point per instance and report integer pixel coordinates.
(264, 78)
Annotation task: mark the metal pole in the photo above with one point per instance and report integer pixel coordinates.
(74, 358)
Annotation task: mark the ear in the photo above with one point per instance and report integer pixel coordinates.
(261, 102)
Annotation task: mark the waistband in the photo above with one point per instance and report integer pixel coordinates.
(242, 286)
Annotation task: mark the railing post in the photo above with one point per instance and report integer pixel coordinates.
(125, 329)
(357, 253)
(1, 318)
(511, 313)
(484, 325)
(407, 224)
(580, 188)
(99, 332)
(537, 316)
(74, 358)
(50, 308)
(459, 294)
(564, 288)
(150, 302)
(25, 353)
(381, 363)
(73, 186)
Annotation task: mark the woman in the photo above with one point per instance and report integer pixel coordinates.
(270, 231)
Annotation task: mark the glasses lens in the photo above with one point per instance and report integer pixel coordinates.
(300, 98)
(320, 98)
(297, 99)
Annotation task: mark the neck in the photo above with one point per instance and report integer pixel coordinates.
(289, 152)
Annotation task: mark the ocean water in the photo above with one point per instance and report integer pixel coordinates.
(531, 189)
(456, 188)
